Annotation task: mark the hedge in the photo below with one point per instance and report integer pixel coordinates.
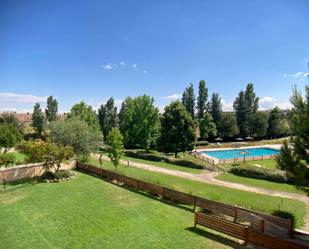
(162, 158)
(261, 173)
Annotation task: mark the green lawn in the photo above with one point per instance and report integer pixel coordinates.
(263, 184)
(267, 163)
(87, 212)
(164, 165)
(257, 202)
(20, 157)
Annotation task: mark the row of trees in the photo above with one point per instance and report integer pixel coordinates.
(245, 121)
(141, 125)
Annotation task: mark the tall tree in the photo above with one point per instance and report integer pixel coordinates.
(75, 133)
(108, 116)
(295, 157)
(177, 129)
(38, 119)
(114, 140)
(240, 110)
(252, 104)
(202, 99)
(188, 100)
(259, 124)
(207, 127)
(246, 105)
(228, 126)
(51, 109)
(85, 112)
(275, 125)
(216, 109)
(9, 136)
(139, 122)
(10, 118)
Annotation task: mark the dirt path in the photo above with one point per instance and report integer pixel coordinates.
(209, 177)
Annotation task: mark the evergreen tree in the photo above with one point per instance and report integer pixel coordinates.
(177, 129)
(202, 99)
(188, 100)
(295, 157)
(240, 110)
(108, 116)
(51, 109)
(38, 119)
(216, 109)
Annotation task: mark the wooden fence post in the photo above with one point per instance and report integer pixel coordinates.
(195, 220)
(262, 225)
(236, 213)
(128, 163)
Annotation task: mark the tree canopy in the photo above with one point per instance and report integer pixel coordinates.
(139, 122)
(115, 142)
(177, 129)
(108, 117)
(85, 112)
(51, 110)
(202, 99)
(275, 125)
(216, 109)
(75, 133)
(245, 106)
(207, 127)
(38, 119)
(9, 136)
(188, 100)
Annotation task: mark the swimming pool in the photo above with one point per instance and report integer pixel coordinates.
(235, 153)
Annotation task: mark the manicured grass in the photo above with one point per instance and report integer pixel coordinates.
(253, 201)
(87, 212)
(164, 165)
(264, 184)
(267, 163)
(20, 157)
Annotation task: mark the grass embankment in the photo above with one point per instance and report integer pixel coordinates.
(267, 164)
(264, 184)
(87, 212)
(253, 201)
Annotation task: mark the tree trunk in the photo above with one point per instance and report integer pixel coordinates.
(176, 153)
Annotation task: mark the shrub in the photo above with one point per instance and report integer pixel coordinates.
(61, 174)
(7, 159)
(260, 173)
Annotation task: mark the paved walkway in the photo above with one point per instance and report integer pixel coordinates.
(209, 177)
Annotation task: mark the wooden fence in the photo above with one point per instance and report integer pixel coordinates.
(254, 233)
(262, 224)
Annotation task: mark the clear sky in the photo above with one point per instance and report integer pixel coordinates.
(92, 50)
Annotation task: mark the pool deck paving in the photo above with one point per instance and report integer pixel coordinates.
(209, 178)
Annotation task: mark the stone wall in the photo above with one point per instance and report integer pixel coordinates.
(28, 171)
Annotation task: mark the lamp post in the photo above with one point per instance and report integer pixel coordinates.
(244, 153)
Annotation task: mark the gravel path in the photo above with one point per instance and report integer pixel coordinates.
(209, 177)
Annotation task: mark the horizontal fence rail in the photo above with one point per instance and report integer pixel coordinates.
(261, 224)
(253, 234)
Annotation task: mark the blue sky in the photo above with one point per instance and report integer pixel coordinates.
(91, 50)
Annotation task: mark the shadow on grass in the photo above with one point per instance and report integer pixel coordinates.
(15, 185)
(140, 192)
(215, 237)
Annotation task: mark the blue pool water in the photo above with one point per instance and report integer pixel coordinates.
(235, 153)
